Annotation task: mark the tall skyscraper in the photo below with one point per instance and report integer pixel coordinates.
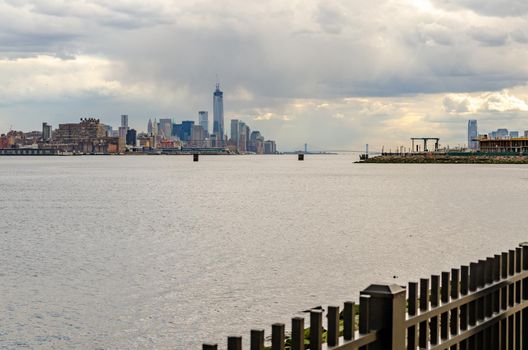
(472, 134)
(149, 127)
(218, 113)
(177, 131)
(187, 126)
(248, 134)
(165, 128)
(255, 135)
(242, 139)
(155, 128)
(123, 130)
(203, 120)
(46, 132)
(234, 131)
(254, 141)
(131, 137)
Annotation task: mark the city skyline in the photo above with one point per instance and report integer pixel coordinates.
(391, 70)
(92, 135)
(163, 126)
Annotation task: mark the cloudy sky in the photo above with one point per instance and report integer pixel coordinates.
(334, 73)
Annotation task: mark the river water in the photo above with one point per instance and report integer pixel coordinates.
(163, 253)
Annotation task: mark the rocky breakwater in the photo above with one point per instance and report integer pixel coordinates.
(447, 159)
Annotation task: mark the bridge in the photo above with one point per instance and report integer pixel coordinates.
(398, 150)
(310, 148)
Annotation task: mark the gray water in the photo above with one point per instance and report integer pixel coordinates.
(164, 253)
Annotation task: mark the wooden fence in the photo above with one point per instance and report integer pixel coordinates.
(481, 306)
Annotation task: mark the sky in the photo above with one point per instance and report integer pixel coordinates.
(335, 74)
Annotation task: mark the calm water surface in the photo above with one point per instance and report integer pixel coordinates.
(164, 253)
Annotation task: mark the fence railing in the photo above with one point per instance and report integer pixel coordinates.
(481, 306)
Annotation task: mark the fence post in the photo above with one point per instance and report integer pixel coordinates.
(297, 335)
(257, 339)
(333, 326)
(387, 315)
(316, 330)
(349, 321)
(277, 336)
(234, 343)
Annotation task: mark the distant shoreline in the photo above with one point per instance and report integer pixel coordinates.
(31, 153)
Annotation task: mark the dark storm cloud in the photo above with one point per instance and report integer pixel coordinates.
(162, 57)
(62, 28)
(349, 48)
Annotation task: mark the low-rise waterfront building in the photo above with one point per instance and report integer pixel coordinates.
(89, 136)
(28, 152)
(197, 136)
(509, 145)
(12, 139)
(4, 141)
(169, 144)
(73, 133)
(146, 141)
(270, 147)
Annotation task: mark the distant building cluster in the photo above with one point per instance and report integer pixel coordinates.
(498, 141)
(90, 136)
(244, 140)
(504, 134)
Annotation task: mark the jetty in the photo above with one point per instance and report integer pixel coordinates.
(447, 158)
